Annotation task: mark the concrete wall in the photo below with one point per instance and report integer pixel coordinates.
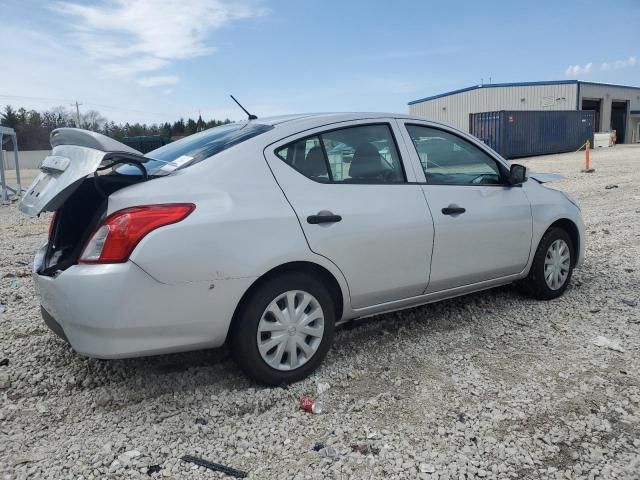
(608, 94)
(28, 159)
(455, 109)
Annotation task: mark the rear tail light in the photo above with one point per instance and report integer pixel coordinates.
(119, 233)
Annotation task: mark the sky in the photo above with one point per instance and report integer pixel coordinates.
(159, 60)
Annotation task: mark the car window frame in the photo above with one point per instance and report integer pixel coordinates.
(502, 168)
(318, 132)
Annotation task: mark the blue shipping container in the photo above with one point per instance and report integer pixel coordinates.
(521, 133)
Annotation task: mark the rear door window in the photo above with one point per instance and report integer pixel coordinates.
(307, 157)
(359, 154)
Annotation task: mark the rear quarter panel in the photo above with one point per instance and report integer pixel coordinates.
(242, 226)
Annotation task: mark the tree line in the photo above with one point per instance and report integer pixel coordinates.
(33, 127)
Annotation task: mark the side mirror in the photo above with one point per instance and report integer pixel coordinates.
(517, 174)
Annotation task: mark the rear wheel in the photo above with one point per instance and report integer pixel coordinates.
(552, 265)
(284, 329)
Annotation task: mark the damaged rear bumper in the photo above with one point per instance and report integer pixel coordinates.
(53, 324)
(119, 311)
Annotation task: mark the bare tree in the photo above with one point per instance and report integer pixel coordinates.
(92, 120)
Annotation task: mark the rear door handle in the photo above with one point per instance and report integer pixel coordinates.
(453, 210)
(323, 218)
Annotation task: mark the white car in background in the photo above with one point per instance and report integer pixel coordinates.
(246, 233)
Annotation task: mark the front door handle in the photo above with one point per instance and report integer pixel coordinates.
(323, 217)
(453, 210)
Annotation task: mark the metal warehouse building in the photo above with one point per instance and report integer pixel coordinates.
(616, 107)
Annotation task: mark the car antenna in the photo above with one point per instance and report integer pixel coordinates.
(251, 116)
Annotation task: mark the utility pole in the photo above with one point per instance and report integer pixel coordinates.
(77, 105)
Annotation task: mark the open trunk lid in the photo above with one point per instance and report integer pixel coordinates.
(76, 154)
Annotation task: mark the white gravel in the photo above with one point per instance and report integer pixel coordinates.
(492, 385)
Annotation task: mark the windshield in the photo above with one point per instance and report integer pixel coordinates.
(196, 147)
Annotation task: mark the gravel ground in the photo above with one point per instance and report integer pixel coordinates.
(491, 385)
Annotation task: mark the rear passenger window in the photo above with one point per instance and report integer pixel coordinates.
(307, 157)
(362, 154)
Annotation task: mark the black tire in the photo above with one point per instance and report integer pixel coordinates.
(243, 335)
(535, 284)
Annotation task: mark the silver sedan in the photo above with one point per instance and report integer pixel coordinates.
(268, 233)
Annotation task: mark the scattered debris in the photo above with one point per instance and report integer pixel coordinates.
(153, 469)
(609, 187)
(103, 399)
(317, 446)
(14, 285)
(4, 362)
(21, 460)
(365, 448)
(126, 457)
(328, 452)
(427, 468)
(164, 416)
(604, 342)
(629, 302)
(322, 388)
(201, 421)
(628, 270)
(310, 405)
(216, 467)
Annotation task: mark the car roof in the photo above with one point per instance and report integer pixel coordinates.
(286, 125)
(328, 117)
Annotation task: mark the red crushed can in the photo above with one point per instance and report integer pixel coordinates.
(309, 405)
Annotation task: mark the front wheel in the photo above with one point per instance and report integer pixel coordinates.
(552, 265)
(284, 329)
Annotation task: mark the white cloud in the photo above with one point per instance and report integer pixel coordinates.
(618, 64)
(130, 37)
(575, 70)
(159, 80)
(127, 68)
(72, 77)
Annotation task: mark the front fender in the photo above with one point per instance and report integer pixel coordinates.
(547, 207)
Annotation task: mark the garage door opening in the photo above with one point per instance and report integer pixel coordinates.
(594, 104)
(619, 120)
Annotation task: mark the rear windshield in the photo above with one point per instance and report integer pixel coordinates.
(196, 147)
